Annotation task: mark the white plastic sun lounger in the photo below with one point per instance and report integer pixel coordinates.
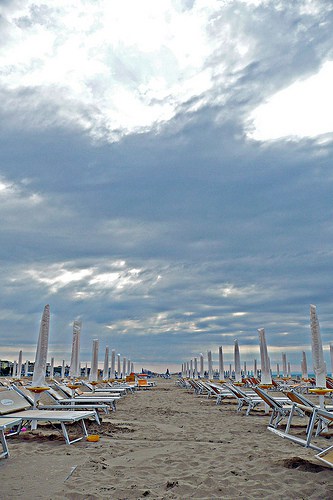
(60, 404)
(8, 423)
(13, 405)
(93, 399)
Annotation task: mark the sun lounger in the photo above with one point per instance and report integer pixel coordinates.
(279, 409)
(8, 423)
(93, 398)
(60, 403)
(107, 389)
(14, 405)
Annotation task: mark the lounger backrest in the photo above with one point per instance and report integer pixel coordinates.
(54, 394)
(24, 392)
(268, 399)
(299, 399)
(11, 401)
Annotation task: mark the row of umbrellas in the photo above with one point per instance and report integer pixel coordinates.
(39, 373)
(195, 366)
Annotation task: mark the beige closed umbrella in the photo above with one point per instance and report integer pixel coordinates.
(319, 365)
(266, 377)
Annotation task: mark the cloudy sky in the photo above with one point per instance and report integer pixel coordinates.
(166, 176)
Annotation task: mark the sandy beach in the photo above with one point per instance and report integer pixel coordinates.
(165, 443)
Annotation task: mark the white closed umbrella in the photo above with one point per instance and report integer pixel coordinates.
(106, 364)
(284, 365)
(304, 366)
(93, 376)
(278, 370)
(63, 369)
(74, 370)
(19, 365)
(266, 377)
(201, 365)
(52, 368)
(15, 369)
(124, 368)
(255, 369)
(195, 368)
(132, 367)
(38, 378)
(113, 364)
(319, 365)
(118, 366)
(221, 364)
(210, 365)
(238, 375)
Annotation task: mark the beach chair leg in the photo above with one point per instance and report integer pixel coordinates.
(5, 451)
(291, 414)
(66, 436)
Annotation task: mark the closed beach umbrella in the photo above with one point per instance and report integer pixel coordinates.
(52, 368)
(113, 364)
(74, 370)
(319, 365)
(19, 365)
(195, 367)
(284, 365)
(221, 365)
(331, 356)
(15, 369)
(106, 364)
(277, 370)
(304, 366)
(201, 365)
(238, 375)
(210, 365)
(124, 367)
(266, 377)
(63, 369)
(255, 369)
(38, 378)
(118, 366)
(93, 376)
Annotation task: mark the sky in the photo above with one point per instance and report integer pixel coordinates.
(166, 177)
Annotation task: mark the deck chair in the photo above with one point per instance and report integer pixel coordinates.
(14, 405)
(116, 391)
(218, 391)
(317, 414)
(67, 391)
(60, 403)
(244, 399)
(8, 423)
(99, 398)
(279, 409)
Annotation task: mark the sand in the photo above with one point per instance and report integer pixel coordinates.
(166, 443)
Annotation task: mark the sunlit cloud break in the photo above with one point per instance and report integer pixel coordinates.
(304, 109)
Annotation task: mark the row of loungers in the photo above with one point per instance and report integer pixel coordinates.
(283, 408)
(17, 409)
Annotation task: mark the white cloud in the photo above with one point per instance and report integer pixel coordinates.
(304, 109)
(108, 71)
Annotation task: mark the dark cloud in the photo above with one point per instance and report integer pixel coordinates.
(179, 239)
